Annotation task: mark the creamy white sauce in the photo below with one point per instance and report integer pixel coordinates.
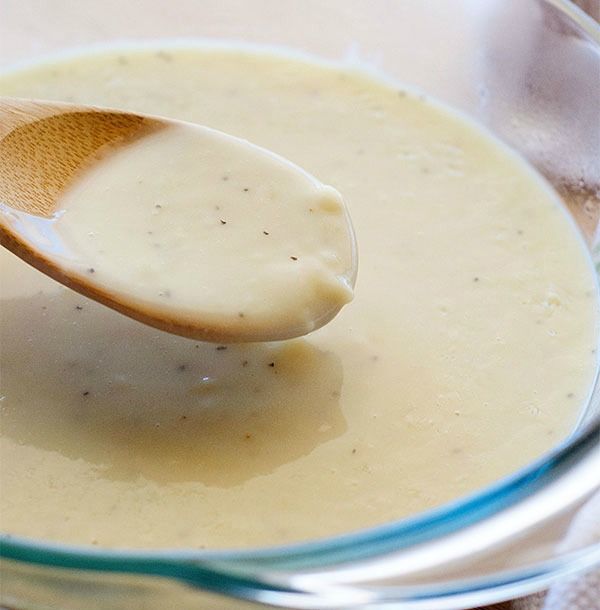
(466, 352)
(222, 238)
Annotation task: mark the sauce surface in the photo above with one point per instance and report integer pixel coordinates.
(467, 351)
(194, 226)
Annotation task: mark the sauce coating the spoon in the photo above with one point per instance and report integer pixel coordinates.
(213, 232)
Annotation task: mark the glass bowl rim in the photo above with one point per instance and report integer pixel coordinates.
(221, 569)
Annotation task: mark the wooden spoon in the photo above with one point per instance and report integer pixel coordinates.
(45, 149)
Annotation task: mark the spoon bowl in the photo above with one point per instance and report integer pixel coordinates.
(250, 247)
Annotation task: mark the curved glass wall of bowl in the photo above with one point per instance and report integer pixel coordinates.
(538, 91)
(500, 61)
(483, 549)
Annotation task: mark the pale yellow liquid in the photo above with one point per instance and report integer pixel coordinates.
(467, 351)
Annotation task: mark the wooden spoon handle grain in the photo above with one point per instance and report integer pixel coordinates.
(43, 145)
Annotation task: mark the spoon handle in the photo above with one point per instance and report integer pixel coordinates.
(43, 145)
(16, 112)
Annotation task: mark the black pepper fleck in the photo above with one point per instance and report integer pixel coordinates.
(265, 233)
(354, 450)
(223, 222)
(271, 364)
(182, 367)
(245, 363)
(246, 190)
(220, 348)
(294, 258)
(91, 270)
(78, 307)
(158, 206)
(475, 279)
(86, 393)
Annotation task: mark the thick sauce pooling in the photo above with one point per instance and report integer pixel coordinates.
(466, 352)
(192, 225)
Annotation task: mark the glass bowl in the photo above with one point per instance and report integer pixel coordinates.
(525, 69)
